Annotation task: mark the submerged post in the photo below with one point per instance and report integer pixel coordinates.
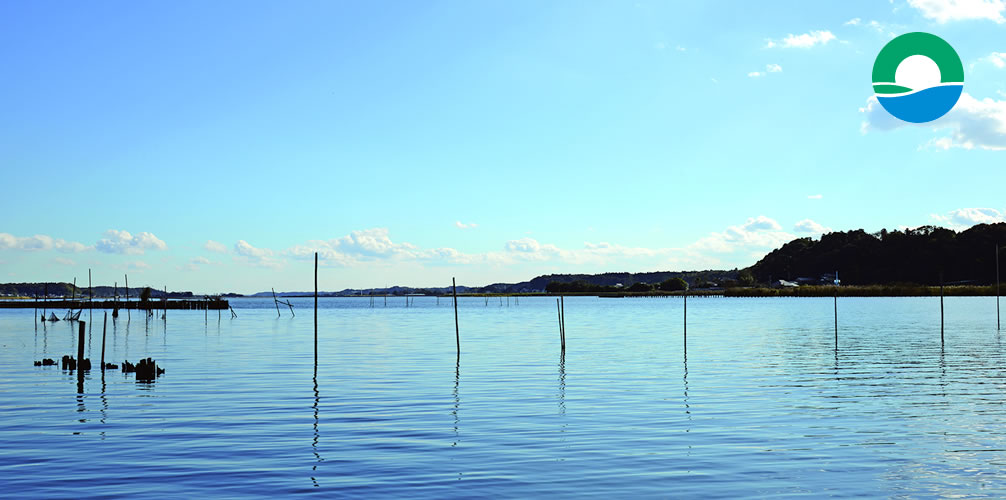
(103, 329)
(165, 316)
(90, 295)
(457, 329)
(316, 310)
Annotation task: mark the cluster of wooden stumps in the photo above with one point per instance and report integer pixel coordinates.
(145, 371)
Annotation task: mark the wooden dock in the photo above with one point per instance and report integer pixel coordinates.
(193, 305)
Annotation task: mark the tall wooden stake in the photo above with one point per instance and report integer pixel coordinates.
(562, 303)
(276, 302)
(997, 286)
(165, 316)
(457, 329)
(316, 310)
(128, 315)
(836, 317)
(90, 295)
(941, 313)
(562, 334)
(80, 352)
(103, 329)
(684, 316)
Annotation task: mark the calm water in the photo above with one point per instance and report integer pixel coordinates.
(761, 403)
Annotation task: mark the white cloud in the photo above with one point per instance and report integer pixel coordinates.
(215, 246)
(39, 242)
(963, 218)
(756, 74)
(461, 225)
(852, 22)
(972, 123)
(809, 226)
(758, 233)
(199, 260)
(248, 254)
(815, 196)
(803, 41)
(943, 11)
(773, 68)
(64, 261)
(679, 48)
(121, 242)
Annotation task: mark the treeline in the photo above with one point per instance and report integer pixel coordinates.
(39, 290)
(927, 255)
(582, 286)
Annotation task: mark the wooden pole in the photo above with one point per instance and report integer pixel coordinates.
(562, 334)
(836, 317)
(103, 329)
(562, 304)
(90, 295)
(73, 293)
(165, 316)
(997, 286)
(128, 315)
(457, 329)
(276, 302)
(316, 311)
(941, 313)
(80, 349)
(684, 316)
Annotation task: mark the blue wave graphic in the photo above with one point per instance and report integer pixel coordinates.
(924, 105)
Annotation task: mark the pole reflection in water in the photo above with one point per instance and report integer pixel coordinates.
(562, 397)
(314, 442)
(104, 406)
(457, 400)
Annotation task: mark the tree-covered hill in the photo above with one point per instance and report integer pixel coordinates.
(922, 255)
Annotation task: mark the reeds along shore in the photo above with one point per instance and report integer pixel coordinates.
(864, 291)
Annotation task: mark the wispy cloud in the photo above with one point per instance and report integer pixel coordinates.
(808, 226)
(773, 68)
(803, 41)
(972, 123)
(64, 261)
(944, 11)
(40, 242)
(756, 74)
(261, 257)
(461, 225)
(122, 242)
(963, 218)
(215, 246)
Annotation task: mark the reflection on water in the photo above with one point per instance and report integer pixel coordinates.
(764, 403)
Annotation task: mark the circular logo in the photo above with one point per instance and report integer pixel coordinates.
(918, 77)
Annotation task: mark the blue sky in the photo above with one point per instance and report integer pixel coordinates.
(214, 146)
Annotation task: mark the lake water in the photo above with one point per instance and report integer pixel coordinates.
(761, 403)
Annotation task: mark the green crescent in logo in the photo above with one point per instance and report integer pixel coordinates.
(910, 44)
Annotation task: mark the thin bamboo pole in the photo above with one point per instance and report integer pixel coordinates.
(457, 328)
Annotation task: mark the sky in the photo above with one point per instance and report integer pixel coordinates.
(215, 146)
